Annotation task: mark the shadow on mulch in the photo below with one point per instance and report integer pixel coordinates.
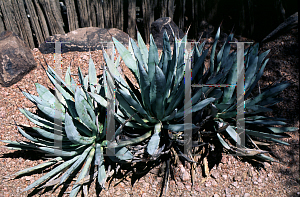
(25, 154)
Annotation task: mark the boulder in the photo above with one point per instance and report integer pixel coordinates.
(160, 25)
(16, 59)
(84, 39)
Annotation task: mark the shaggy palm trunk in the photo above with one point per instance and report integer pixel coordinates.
(131, 18)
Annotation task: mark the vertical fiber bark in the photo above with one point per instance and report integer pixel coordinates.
(108, 14)
(2, 27)
(9, 17)
(23, 22)
(57, 14)
(83, 13)
(53, 16)
(92, 13)
(72, 15)
(180, 8)
(42, 20)
(118, 14)
(171, 8)
(99, 14)
(148, 17)
(34, 21)
(131, 18)
(163, 8)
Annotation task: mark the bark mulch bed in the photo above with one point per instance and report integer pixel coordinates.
(229, 176)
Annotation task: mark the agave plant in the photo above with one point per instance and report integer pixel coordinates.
(72, 129)
(158, 105)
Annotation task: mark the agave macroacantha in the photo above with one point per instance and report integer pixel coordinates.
(73, 128)
(159, 104)
(150, 121)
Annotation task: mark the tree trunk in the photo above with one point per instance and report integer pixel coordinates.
(180, 13)
(118, 14)
(9, 17)
(108, 14)
(99, 13)
(171, 8)
(52, 16)
(42, 19)
(34, 21)
(72, 15)
(83, 13)
(96, 14)
(131, 18)
(148, 17)
(92, 12)
(2, 27)
(57, 14)
(23, 23)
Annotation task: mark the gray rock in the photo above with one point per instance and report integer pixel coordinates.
(16, 59)
(84, 39)
(237, 178)
(184, 175)
(224, 176)
(246, 195)
(161, 25)
(215, 174)
(235, 184)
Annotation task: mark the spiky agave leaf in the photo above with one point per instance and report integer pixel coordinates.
(214, 109)
(80, 131)
(161, 83)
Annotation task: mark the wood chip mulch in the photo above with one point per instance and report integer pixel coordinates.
(229, 177)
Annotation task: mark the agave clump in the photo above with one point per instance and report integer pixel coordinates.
(75, 118)
(158, 105)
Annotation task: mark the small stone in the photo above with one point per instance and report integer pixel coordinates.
(118, 192)
(85, 57)
(180, 185)
(224, 176)
(215, 175)
(188, 165)
(246, 195)
(188, 187)
(122, 184)
(197, 188)
(255, 182)
(259, 180)
(126, 195)
(216, 195)
(267, 164)
(227, 191)
(250, 173)
(235, 184)
(214, 182)
(245, 176)
(237, 196)
(224, 160)
(207, 184)
(184, 175)
(237, 178)
(269, 175)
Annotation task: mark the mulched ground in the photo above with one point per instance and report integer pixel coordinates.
(229, 176)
